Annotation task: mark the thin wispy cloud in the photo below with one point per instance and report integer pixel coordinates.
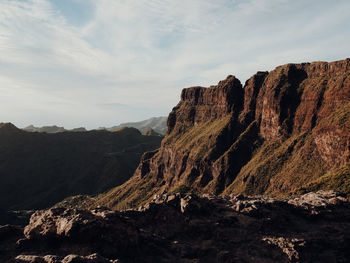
(62, 62)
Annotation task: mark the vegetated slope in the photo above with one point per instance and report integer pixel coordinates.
(38, 169)
(286, 131)
(158, 124)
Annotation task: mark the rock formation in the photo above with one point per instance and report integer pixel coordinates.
(314, 227)
(286, 131)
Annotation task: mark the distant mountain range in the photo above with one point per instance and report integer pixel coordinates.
(39, 169)
(52, 129)
(157, 124)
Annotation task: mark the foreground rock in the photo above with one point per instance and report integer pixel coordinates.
(94, 258)
(314, 227)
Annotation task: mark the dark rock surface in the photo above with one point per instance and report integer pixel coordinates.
(314, 227)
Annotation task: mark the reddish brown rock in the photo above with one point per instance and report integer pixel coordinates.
(294, 97)
(199, 105)
(251, 91)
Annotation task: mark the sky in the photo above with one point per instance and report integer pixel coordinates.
(96, 63)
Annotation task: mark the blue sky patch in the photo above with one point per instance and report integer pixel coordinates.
(76, 12)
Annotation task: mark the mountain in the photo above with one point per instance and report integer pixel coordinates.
(47, 129)
(38, 170)
(51, 129)
(158, 124)
(79, 129)
(284, 132)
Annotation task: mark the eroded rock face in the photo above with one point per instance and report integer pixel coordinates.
(294, 97)
(182, 161)
(199, 105)
(314, 227)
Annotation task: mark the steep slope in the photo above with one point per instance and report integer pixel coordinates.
(39, 169)
(285, 131)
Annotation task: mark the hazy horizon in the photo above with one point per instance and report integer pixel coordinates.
(91, 128)
(85, 63)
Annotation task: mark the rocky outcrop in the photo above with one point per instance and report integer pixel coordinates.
(295, 97)
(100, 229)
(186, 228)
(199, 105)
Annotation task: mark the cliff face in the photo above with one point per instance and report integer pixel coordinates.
(293, 98)
(285, 131)
(199, 105)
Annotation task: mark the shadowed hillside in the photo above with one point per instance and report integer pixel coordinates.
(39, 169)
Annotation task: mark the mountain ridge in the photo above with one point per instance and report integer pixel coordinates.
(158, 124)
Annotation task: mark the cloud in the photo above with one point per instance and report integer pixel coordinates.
(141, 53)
